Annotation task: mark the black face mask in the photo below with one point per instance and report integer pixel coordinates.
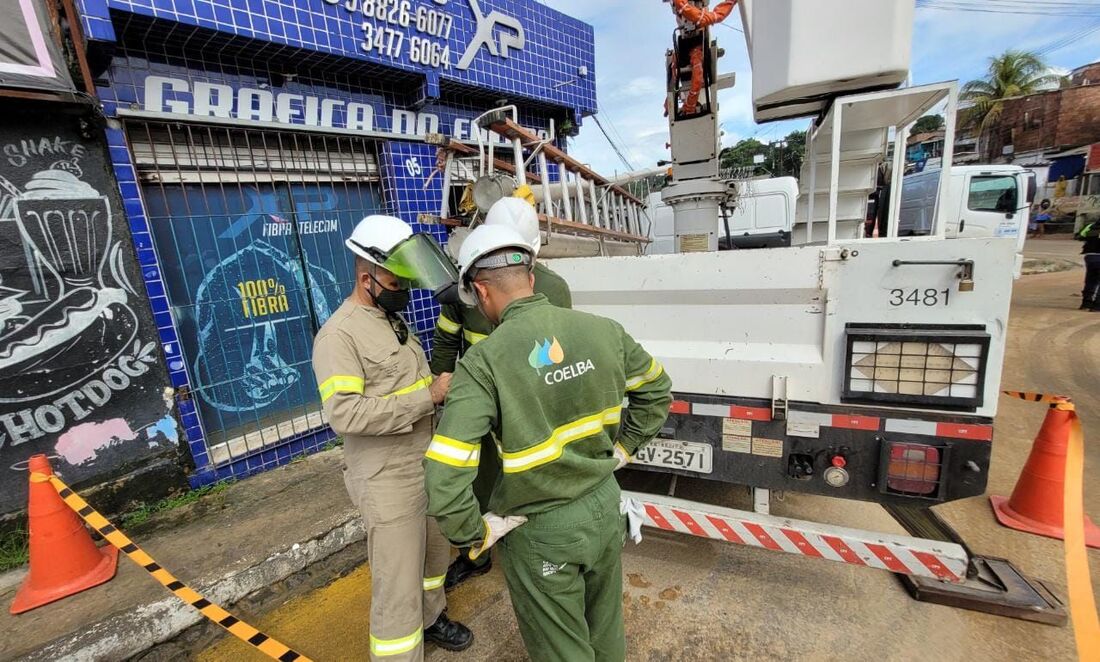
(393, 301)
(390, 301)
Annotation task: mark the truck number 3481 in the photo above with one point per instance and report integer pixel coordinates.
(919, 297)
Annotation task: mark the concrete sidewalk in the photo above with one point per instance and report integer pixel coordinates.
(229, 545)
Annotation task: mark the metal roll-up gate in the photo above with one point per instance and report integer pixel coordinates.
(248, 227)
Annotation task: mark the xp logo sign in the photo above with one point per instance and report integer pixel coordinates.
(485, 35)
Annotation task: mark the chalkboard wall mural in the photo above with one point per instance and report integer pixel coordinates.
(81, 374)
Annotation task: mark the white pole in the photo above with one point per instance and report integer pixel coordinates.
(582, 213)
(812, 134)
(834, 175)
(563, 180)
(901, 137)
(517, 158)
(544, 173)
(444, 206)
(596, 217)
(948, 155)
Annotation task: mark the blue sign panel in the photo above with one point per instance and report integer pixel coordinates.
(520, 47)
(252, 271)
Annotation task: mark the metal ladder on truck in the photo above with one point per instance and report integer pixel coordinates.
(582, 212)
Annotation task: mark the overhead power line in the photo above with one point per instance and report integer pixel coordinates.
(614, 147)
(1066, 40)
(1018, 7)
(1015, 4)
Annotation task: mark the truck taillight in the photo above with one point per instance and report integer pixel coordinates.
(917, 365)
(913, 469)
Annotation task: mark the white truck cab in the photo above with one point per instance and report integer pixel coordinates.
(982, 201)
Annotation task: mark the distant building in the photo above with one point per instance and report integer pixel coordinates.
(924, 146)
(1033, 126)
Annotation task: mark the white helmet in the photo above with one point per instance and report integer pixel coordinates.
(484, 240)
(376, 235)
(454, 242)
(519, 215)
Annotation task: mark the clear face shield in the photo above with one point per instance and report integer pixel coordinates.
(421, 262)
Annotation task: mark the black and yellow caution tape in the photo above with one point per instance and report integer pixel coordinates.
(1041, 397)
(1082, 603)
(236, 627)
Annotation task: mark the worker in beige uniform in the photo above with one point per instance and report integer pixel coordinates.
(379, 394)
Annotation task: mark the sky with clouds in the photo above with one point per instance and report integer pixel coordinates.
(632, 36)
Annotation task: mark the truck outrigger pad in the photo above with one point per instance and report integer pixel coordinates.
(992, 585)
(998, 587)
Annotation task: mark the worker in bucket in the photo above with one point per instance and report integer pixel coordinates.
(548, 383)
(459, 326)
(379, 394)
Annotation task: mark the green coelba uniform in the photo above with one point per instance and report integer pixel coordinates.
(549, 385)
(458, 328)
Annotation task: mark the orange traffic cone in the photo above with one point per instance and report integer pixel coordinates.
(1037, 501)
(64, 559)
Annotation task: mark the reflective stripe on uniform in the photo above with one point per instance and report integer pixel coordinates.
(385, 647)
(340, 384)
(472, 337)
(655, 370)
(432, 583)
(552, 448)
(453, 452)
(447, 324)
(415, 386)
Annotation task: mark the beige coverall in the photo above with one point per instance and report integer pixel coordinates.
(374, 392)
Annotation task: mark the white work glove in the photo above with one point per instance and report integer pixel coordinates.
(496, 527)
(635, 515)
(622, 456)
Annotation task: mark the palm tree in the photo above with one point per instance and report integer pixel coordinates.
(1011, 74)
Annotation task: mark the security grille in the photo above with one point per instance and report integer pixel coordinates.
(248, 228)
(916, 365)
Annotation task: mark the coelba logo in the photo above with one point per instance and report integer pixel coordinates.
(546, 354)
(550, 353)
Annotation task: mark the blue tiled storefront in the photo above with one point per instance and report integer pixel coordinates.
(249, 136)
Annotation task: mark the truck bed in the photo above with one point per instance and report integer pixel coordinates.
(726, 323)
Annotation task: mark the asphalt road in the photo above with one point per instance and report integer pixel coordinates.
(695, 599)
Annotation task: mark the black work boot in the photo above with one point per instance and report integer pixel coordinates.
(449, 635)
(462, 568)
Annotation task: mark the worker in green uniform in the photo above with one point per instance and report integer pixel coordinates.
(549, 385)
(459, 327)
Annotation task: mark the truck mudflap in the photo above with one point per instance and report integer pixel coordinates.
(905, 555)
(883, 455)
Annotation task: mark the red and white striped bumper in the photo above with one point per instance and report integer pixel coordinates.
(901, 554)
